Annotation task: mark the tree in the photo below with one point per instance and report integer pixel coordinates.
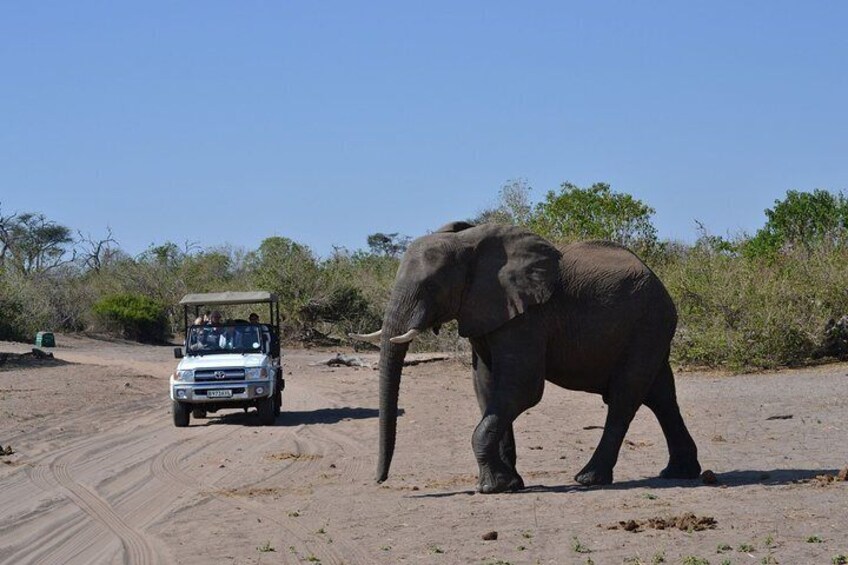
(388, 244)
(802, 220)
(208, 271)
(167, 254)
(96, 252)
(514, 206)
(594, 213)
(33, 244)
(287, 268)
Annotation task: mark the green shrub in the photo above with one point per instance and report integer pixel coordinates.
(12, 320)
(137, 317)
(24, 306)
(345, 310)
(594, 213)
(804, 220)
(743, 313)
(287, 268)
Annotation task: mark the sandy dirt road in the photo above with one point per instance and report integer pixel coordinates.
(100, 475)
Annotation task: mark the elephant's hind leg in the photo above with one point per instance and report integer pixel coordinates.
(682, 451)
(627, 389)
(598, 471)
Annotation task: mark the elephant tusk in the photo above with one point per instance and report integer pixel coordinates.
(405, 338)
(373, 337)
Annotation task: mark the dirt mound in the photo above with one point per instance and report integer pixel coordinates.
(827, 478)
(688, 522)
(34, 358)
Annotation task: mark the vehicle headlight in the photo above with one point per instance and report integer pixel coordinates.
(184, 376)
(256, 373)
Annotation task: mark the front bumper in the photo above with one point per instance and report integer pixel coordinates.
(197, 393)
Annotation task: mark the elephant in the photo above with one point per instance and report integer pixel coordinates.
(588, 317)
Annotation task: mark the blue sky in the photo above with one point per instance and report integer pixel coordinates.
(228, 122)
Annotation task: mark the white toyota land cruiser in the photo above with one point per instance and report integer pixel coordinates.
(228, 364)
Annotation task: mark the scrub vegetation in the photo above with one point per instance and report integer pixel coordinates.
(745, 301)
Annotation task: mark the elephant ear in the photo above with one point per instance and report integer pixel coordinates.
(511, 269)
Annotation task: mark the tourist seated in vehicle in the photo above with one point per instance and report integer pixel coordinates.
(211, 336)
(194, 341)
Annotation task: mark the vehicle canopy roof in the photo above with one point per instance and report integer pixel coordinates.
(225, 298)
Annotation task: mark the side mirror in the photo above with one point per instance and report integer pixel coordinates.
(178, 352)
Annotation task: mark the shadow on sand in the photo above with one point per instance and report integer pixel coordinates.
(730, 479)
(293, 418)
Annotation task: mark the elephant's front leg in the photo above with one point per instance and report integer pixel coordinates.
(507, 449)
(506, 384)
(494, 448)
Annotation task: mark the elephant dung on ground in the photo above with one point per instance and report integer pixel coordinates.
(589, 317)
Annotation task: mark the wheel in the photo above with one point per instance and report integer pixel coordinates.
(265, 409)
(278, 402)
(181, 414)
(198, 413)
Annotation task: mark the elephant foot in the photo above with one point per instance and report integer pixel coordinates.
(593, 477)
(681, 470)
(500, 483)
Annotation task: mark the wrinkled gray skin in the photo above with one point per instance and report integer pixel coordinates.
(592, 317)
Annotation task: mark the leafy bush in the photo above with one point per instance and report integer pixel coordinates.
(594, 213)
(345, 309)
(353, 292)
(778, 298)
(741, 312)
(137, 317)
(13, 325)
(287, 268)
(803, 220)
(24, 306)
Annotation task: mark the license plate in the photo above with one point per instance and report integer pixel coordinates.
(223, 393)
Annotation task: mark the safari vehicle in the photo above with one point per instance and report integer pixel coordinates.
(229, 364)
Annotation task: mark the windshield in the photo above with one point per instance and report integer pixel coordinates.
(224, 338)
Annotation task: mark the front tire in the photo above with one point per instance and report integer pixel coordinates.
(278, 402)
(181, 413)
(265, 409)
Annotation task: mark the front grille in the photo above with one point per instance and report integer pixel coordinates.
(238, 390)
(218, 375)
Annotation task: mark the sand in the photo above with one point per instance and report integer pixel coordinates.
(99, 474)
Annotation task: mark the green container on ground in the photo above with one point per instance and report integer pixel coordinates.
(45, 339)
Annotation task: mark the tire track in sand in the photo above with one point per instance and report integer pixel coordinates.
(136, 546)
(169, 464)
(139, 502)
(99, 524)
(61, 531)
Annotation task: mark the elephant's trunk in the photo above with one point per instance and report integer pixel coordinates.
(391, 366)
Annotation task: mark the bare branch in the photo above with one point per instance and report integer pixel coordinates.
(95, 251)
